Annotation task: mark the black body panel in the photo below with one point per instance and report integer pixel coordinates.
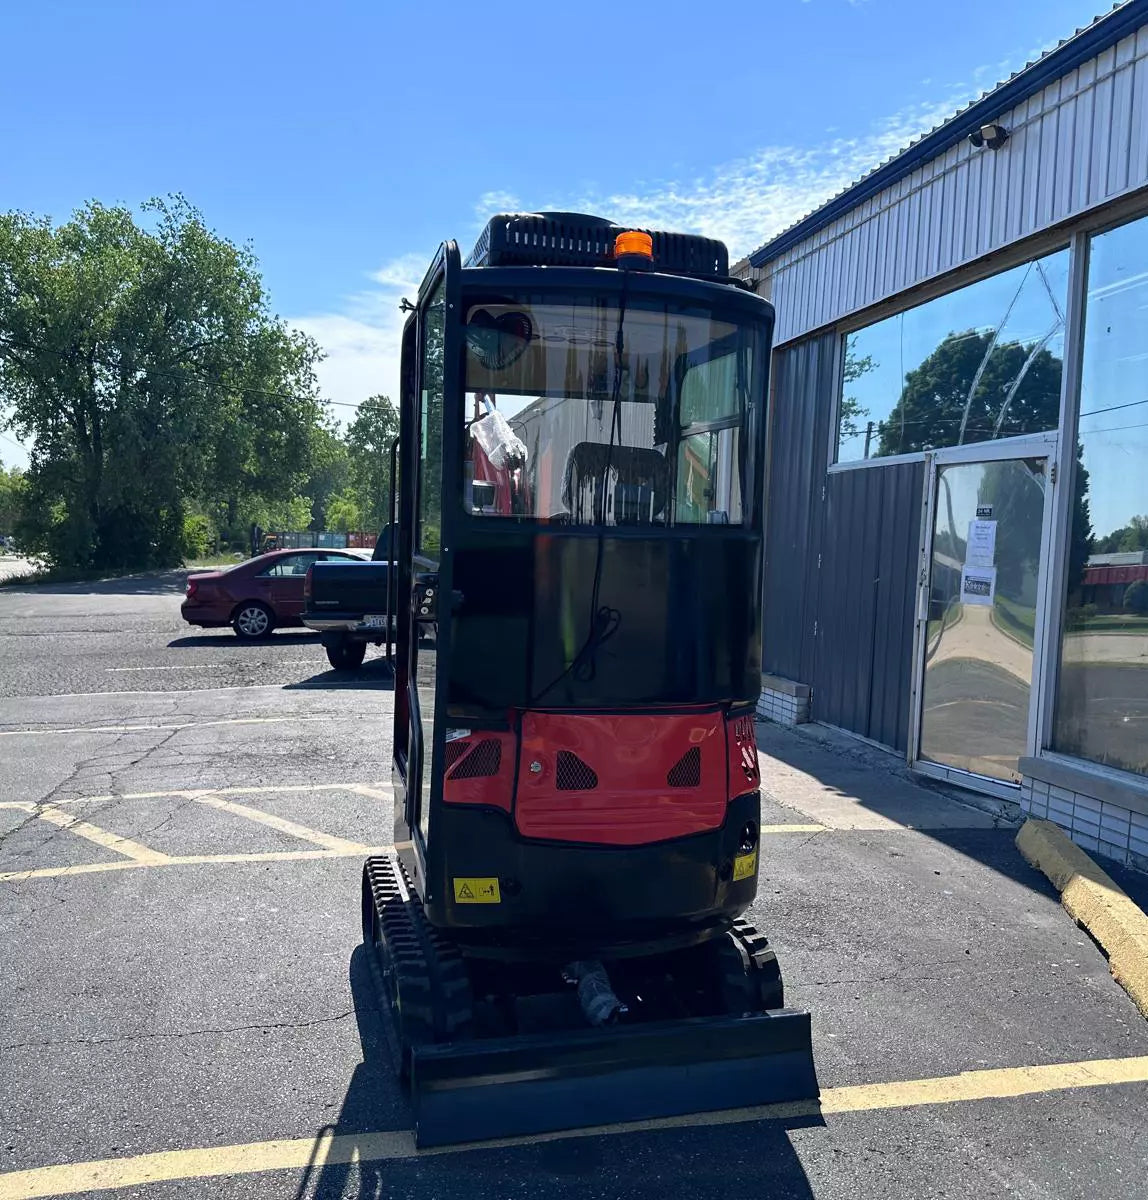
(688, 619)
(560, 899)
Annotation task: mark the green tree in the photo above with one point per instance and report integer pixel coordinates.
(1130, 537)
(343, 513)
(1136, 598)
(145, 363)
(851, 412)
(369, 438)
(11, 498)
(1012, 391)
(328, 474)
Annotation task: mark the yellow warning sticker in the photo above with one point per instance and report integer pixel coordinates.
(476, 891)
(745, 866)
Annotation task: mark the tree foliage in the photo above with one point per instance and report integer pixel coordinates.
(1129, 538)
(972, 385)
(850, 414)
(1136, 598)
(143, 360)
(369, 438)
(328, 473)
(11, 497)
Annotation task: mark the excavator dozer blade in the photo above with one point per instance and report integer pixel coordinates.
(538, 1083)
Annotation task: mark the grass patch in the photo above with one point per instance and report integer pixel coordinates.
(1016, 620)
(1108, 623)
(214, 562)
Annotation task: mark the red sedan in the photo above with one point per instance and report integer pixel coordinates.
(255, 596)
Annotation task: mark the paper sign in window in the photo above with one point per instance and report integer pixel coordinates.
(981, 548)
(978, 585)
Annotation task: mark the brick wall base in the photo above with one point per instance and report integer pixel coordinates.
(1098, 826)
(783, 701)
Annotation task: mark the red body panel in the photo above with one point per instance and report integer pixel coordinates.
(744, 772)
(636, 779)
(477, 773)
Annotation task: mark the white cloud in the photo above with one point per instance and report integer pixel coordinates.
(744, 203)
(490, 203)
(363, 341)
(747, 201)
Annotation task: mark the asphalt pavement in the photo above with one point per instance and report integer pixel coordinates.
(184, 1010)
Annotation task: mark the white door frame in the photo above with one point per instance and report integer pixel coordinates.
(1042, 445)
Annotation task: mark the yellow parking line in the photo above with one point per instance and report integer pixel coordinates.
(126, 864)
(299, 1153)
(185, 860)
(102, 837)
(292, 828)
(378, 790)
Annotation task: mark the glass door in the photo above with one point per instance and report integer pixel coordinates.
(421, 604)
(979, 611)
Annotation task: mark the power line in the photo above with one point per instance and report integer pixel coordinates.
(1092, 412)
(1113, 428)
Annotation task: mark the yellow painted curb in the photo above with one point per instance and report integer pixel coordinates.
(1095, 901)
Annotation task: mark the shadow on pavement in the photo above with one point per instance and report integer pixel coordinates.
(375, 673)
(822, 761)
(372, 1092)
(814, 763)
(224, 637)
(702, 1162)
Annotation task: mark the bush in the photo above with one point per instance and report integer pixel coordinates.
(1136, 597)
(198, 536)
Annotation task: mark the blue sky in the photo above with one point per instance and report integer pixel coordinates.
(345, 139)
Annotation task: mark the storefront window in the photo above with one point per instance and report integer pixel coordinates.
(977, 364)
(1102, 702)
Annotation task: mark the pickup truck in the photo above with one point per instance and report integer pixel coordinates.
(346, 602)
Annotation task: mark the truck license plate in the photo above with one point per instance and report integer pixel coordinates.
(375, 621)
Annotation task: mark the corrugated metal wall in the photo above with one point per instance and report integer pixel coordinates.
(1081, 142)
(804, 377)
(841, 558)
(869, 548)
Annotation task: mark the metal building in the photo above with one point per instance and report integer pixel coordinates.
(957, 519)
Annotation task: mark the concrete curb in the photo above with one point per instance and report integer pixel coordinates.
(1094, 901)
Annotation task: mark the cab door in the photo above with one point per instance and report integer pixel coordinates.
(423, 559)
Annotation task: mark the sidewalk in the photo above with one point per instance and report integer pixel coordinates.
(912, 928)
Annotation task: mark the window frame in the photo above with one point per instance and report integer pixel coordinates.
(736, 308)
(1040, 246)
(1052, 648)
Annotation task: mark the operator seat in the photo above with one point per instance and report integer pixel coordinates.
(642, 482)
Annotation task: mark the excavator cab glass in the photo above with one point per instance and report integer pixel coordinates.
(571, 430)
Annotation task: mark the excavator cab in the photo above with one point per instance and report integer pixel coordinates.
(560, 929)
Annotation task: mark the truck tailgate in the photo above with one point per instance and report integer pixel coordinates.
(352, 588)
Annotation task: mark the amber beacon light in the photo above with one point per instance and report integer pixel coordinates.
(634, 248)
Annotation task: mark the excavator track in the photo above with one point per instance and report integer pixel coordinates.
(425, 977)
(740, 1048)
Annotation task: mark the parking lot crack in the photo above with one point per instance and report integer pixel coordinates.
(175, 1035)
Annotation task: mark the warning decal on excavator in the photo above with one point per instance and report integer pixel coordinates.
(744, 866)
(476, 891)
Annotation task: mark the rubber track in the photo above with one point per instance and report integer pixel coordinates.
(762, 961)
(430, 975)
